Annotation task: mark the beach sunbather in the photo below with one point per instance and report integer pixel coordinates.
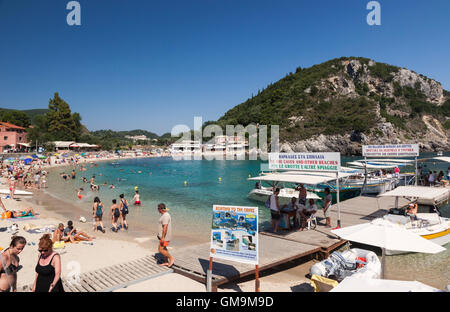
(28, 212)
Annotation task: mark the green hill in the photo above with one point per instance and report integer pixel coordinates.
(346, 96)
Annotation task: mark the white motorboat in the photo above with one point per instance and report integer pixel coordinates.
(440, 153)
(431, 226)
(278, 179)
(428, 225)
(263, 193)
(16, 192)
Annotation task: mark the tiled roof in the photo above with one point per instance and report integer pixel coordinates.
(8, 125)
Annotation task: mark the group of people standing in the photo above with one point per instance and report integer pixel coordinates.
(304, 210)
(118, 212)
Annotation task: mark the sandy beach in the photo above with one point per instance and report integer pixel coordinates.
(115, 248)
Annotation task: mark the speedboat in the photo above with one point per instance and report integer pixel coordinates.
(432, 225)
(440, 153)
(262, 194)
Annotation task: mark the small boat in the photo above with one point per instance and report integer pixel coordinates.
(440, 153)
(280, 179)
(354, 262)
(431, 225)
(262, 194)
(16, 192)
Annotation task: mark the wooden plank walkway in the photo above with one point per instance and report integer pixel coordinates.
(193, 261)
(276, 249)
(115, 277)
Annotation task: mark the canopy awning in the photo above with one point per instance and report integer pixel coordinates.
(373, 166)
(311, 178)
(442, 158)
(24, 144)
(424, 192)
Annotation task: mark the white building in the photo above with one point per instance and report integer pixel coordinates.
(186, 146)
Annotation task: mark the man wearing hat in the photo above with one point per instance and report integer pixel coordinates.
(165, 234)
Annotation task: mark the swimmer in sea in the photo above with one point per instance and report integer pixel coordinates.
(112, 186)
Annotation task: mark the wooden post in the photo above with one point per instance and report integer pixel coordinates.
(257, 289)
(209, 275)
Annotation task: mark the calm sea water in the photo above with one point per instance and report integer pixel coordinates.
(191, 187)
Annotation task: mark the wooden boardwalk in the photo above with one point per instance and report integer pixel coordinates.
(276, 249)
(115, 276)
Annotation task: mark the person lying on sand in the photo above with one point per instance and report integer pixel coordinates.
(28, 212)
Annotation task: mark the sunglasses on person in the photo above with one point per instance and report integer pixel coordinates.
(43, 250)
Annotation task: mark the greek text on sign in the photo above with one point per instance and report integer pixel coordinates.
(395, 150)
(305, 161)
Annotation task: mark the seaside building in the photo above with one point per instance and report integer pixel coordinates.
(12, 138)
(137, 138)
(74, 146)
(186, 146)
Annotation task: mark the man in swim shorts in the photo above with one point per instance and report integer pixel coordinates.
(165, 234)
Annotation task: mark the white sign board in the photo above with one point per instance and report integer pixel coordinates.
(305, 161)
(234, 233)
(395, 150)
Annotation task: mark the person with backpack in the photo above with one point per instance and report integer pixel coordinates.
(124, 211)
(97, 214)
(115, 212)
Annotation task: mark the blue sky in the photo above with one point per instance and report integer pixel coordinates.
(154, 64)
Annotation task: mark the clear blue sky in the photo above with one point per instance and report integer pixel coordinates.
(154, 64)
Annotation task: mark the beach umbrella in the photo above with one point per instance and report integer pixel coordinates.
(387, 235)
(354, 284)
(34, 156)
(27, 161)
(22, 157)
(41, 156)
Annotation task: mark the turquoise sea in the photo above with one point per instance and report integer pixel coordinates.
(190, 188)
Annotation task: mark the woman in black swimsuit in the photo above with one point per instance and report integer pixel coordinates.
(124, 211)
(9, 264)
(48, 268)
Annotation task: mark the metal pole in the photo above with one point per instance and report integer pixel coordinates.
(383, 262)
(209, 275)
(416, 170)
(365, 175)
(337, 201)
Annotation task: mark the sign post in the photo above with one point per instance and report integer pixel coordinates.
(317, 162)
(234, 236)
(394, 150)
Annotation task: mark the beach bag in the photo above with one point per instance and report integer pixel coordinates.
(116, 212)
(6, 215)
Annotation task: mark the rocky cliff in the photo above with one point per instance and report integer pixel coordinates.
(348, 102)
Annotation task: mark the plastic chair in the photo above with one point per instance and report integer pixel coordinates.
(312, 221)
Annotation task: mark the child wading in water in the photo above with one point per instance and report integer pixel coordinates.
(136, 199)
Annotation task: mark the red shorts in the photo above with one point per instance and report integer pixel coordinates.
(164, 244)
(138, 202)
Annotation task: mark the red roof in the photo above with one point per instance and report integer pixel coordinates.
(8, 125)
